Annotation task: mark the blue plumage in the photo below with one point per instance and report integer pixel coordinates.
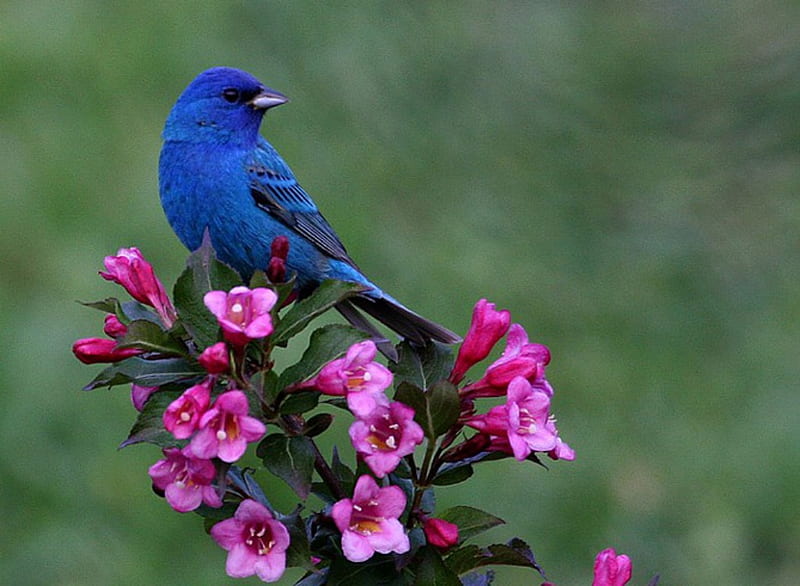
(217, 173)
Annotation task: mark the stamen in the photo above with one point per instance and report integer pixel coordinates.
(221, 435)
(185, 416)
(237, 307)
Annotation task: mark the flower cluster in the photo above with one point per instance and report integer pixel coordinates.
(204, 384)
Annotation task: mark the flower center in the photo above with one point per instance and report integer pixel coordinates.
(527, 424)
(357, 378)
(384, 435)
(259, 539)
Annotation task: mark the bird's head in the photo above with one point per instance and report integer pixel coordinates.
(221, 105)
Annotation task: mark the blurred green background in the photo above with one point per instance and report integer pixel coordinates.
(622, 176)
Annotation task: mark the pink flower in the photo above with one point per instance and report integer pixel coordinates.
(256, 543)
(611, 569)
(182, 416)
(140, 394)
(185, 480)
(522, 423)
(357, 377)
(243, 313)
(215, 359)
(440, 534)
(385, 435)
(132, 271)
(520, 358)
(225, 429)
(94, 350)
(369, 521)
(561, 451)
(487, 327)
(112, 327)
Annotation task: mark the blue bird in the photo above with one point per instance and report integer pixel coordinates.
(217, 174)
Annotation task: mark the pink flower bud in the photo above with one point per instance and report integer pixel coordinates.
(440, 533)
(279, 252)
(94, 350)
(611, 569)
(487, 327)
(114, 328)
(215, 359)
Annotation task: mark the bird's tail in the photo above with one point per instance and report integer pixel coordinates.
(392, 314)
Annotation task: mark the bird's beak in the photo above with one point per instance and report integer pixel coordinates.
(268, 98)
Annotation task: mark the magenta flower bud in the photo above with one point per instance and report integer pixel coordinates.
(215, 359)
(182, 416)
(114, 328)
(94, 350)
(243, 314)
(385, 435)
(279, 253)
(440, 534)
(136, 275)
(487, 327)
(225, 429)
(611, 569)
(369, 521)
(255, 541)
(140, 394)
(185, 480)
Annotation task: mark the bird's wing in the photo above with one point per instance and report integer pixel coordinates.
(276, 191)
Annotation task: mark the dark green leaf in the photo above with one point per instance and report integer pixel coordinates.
(422, 366)
(470, 521)
(453, 475)
(107, 305)
(436, 410)
(289, 458)
(317, 424)
(149, 426)
(147, 373)
(148, 336)
(300, 402)
(299, 552)
(378, 570)
(324, 297)
(203, 273)
(326, 343)
(515, 553)
(430, 569)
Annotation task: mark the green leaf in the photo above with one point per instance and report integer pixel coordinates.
(203, 273)
(379, 569)
(107, 305)
(422, 366)
(148, 336)
(149, 425)
(317, 424)
(299, 552)
(300, 402)
(430, 569)
(289, 458)
(326, 344)
(470, 521)
(453, 475)
(324, 297)
(436, 410)
(147, 373)
(515, 553)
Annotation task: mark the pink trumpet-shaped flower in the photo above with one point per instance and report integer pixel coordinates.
(487, 327)
(369, 521)
(185, 480)
(95, 350)
(255, 541)
(611, 569)
(129, 269)
(385, 435)
(182, 416)
(215, 359)
(225, 429)
(242, 313)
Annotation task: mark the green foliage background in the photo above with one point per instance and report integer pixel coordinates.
(623, 176)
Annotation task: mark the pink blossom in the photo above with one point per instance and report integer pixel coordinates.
(94, 350)
(140, 394)
(185, 480)
(255, 541)
(215, 359)
(112, 327)
(561, 451)
(357, 377)
(132, 271)
(225, 429)
(242, 313)
(611, 569)
(440, 534)
(182, 416)
(487, 327)
(385, 435)
(522, 422)
(369, 521)
(520, 358)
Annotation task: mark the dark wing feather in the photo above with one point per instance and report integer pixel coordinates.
(276, 191)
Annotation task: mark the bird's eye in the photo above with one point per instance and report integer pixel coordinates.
(231, 95)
